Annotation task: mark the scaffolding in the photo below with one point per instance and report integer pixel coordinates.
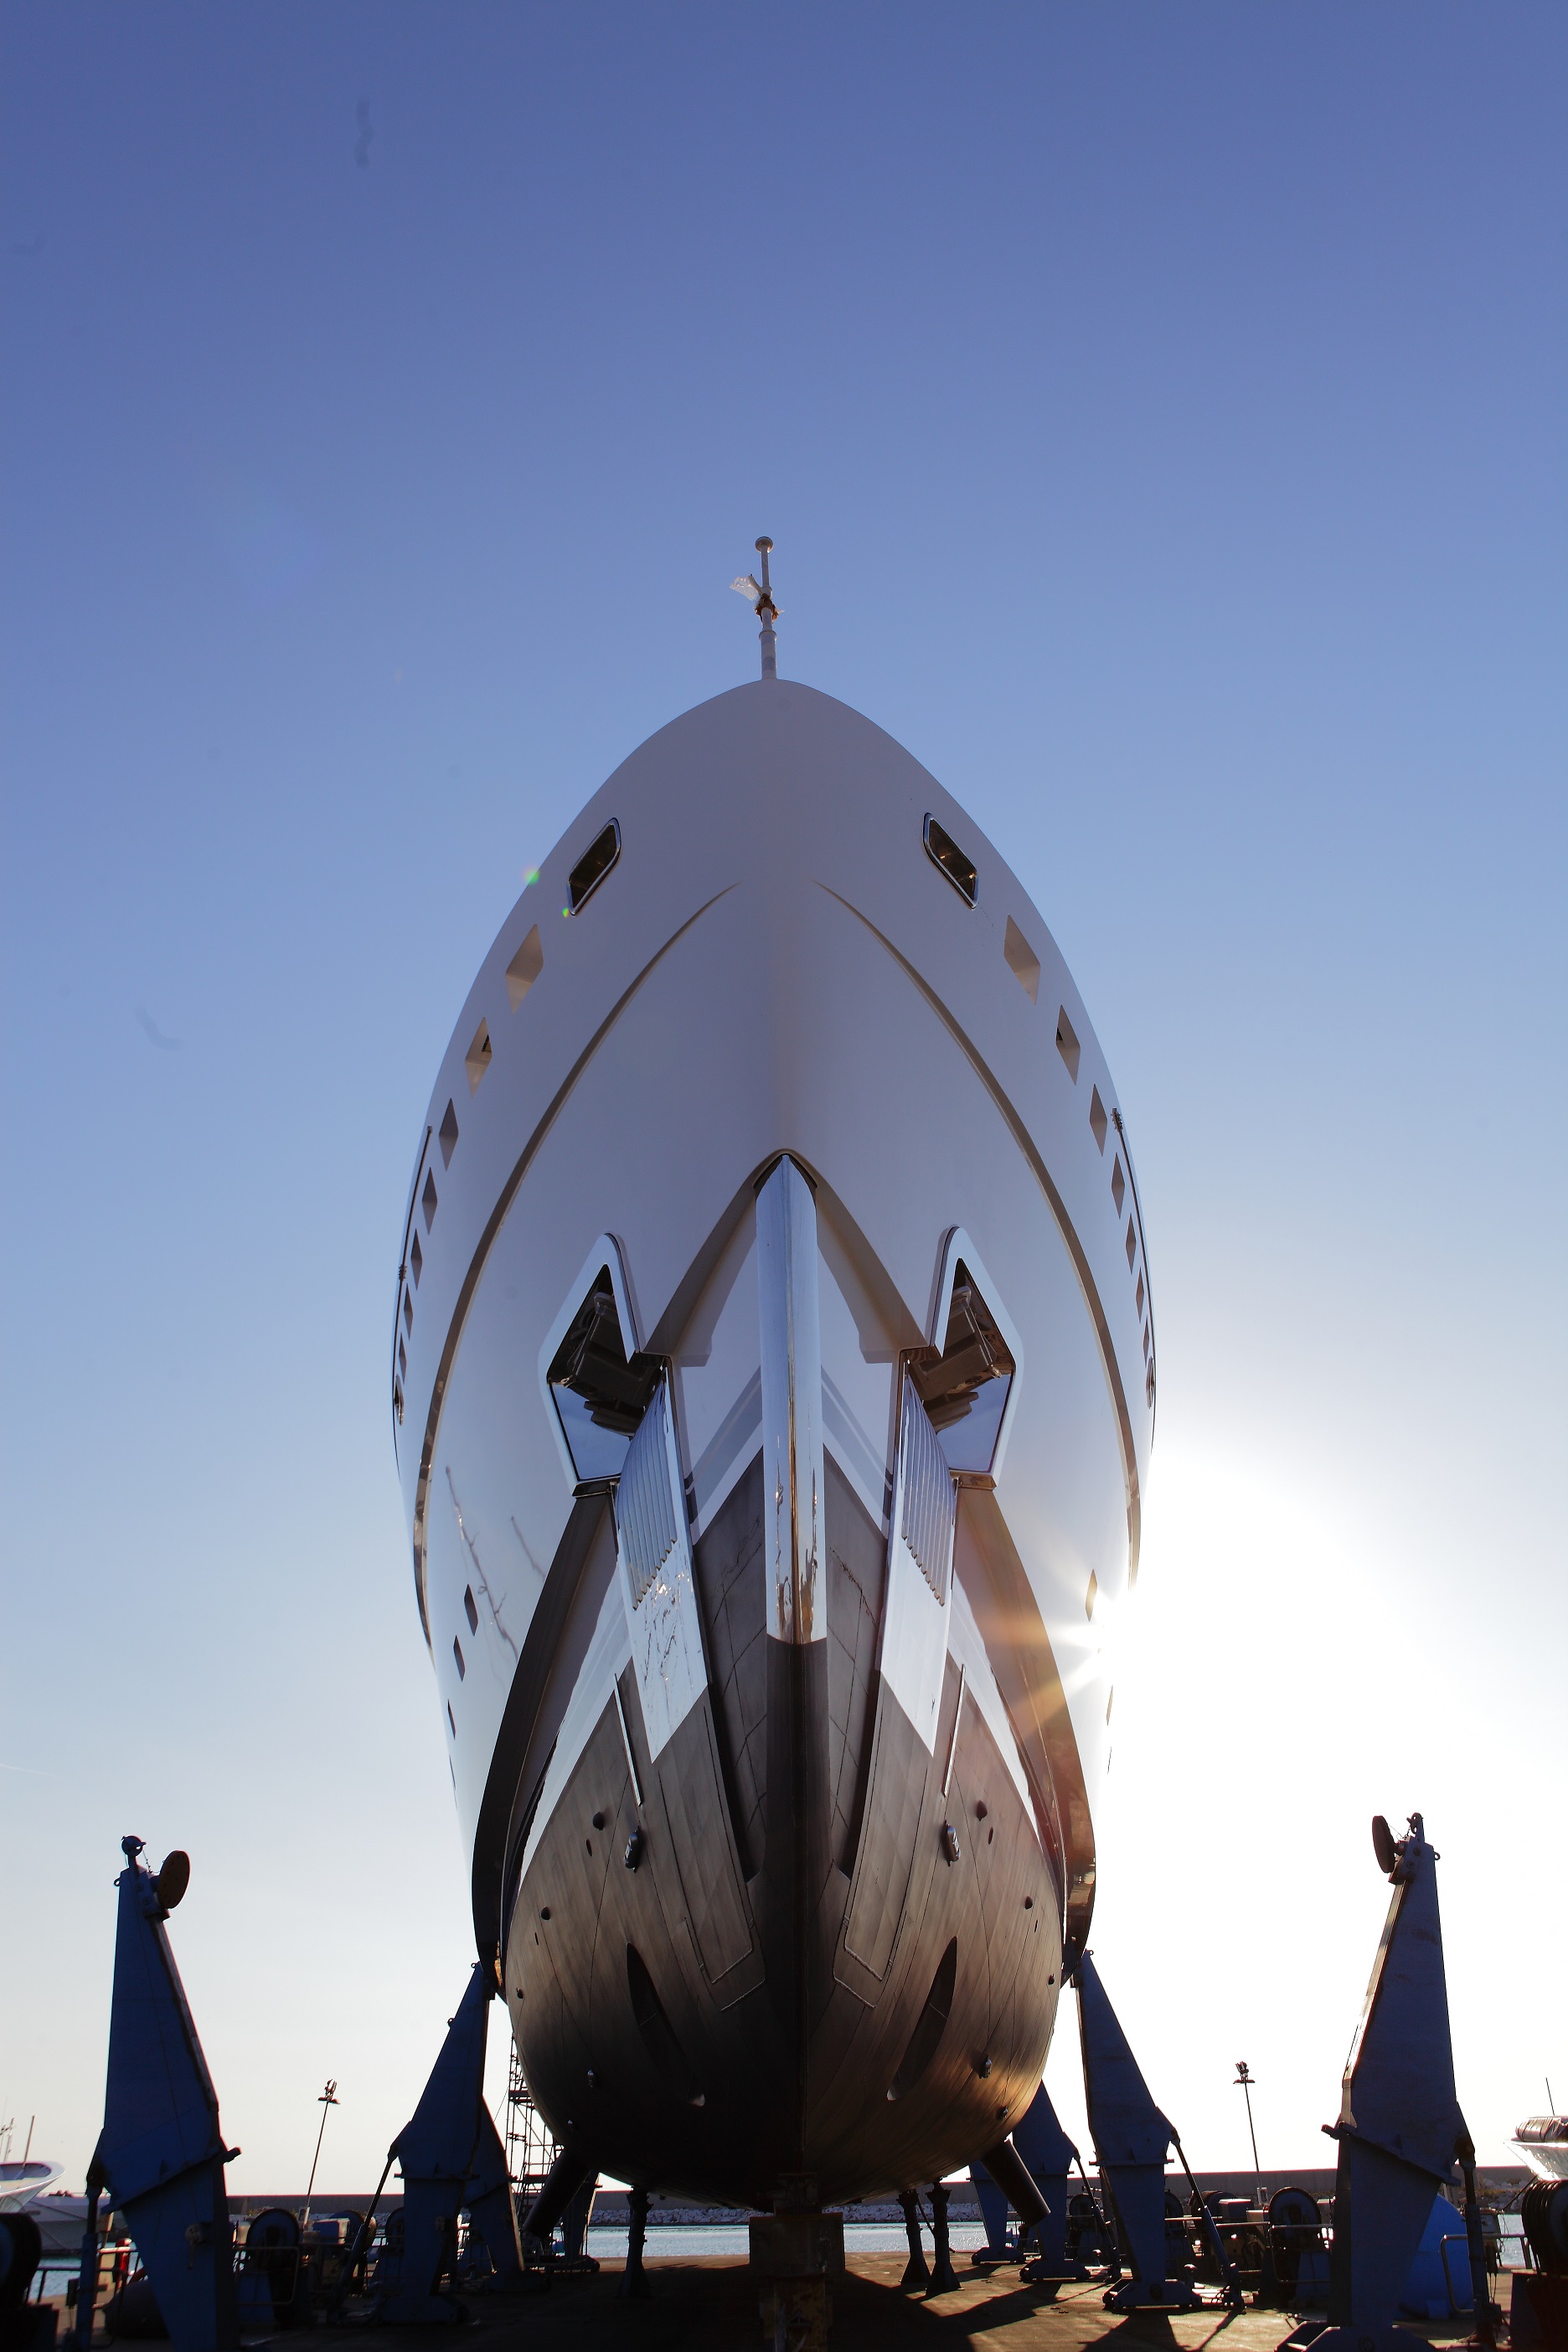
(531, 2148)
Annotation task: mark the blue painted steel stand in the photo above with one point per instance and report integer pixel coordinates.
(1131, 2140)
(161, 2153)
(1050, 2155)
(1400, 2126)
(449, 2160)
(1045, 2153)
(489, 2201)
(994, 2210)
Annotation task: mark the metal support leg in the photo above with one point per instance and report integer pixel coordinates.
(944, 2277)
(633, 2278)
(563, 2181)
(916, 2273)
(86, 2284)
(797, 2252)
(574, 2223)
(1487, 2312)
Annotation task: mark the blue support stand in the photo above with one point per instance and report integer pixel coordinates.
(488, 2198)
(1400, 2126)
(450, 2161)
(993, 2209)
(1045, 2153)
(161, 2153)
(1050, 2155)
(1131, 2140)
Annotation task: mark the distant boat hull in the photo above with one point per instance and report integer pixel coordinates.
(21, 2182)
(1546, 2150)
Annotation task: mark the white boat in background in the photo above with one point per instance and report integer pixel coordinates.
(1542, 2142)
(24, 2179)
(773, 1386)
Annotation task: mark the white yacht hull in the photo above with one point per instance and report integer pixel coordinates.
(774, 1388)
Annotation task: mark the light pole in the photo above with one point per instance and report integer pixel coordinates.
(1245, 2079)
(329, 2098)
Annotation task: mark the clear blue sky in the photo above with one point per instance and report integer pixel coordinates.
(1159, 415)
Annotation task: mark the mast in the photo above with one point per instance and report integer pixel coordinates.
(759, 594)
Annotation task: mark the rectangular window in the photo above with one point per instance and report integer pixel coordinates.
(524, 968)
(476, 1060)
(1022, 961)
(457, 1653)
(470, 1611)
(592, 868)
(945, 853)
(1066, 1044)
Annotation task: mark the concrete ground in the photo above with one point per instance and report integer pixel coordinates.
(709, 2305)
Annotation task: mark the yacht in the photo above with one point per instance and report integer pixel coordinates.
(1542, 2141)
(23, 2178)
(772, 1385)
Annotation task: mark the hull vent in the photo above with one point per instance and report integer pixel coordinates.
(658, 2037)
(930, 2027)
(926, 1520)
(644, 1508)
